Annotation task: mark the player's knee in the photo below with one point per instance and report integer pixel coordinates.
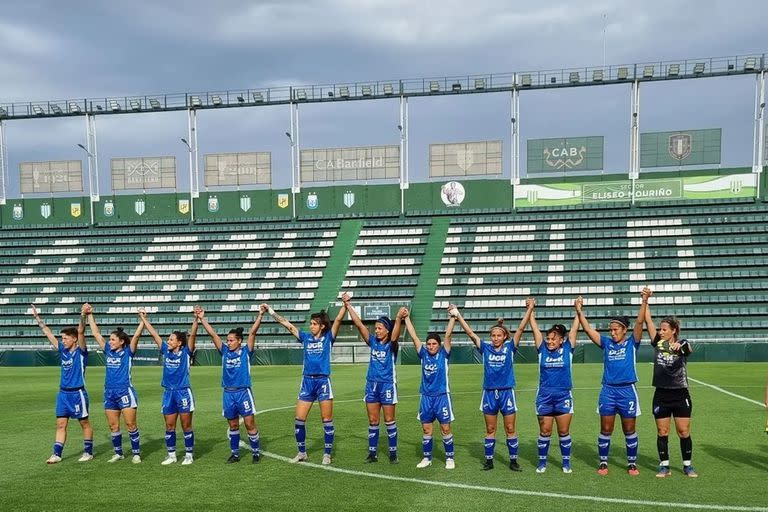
(683, 432)
(663, 431)
(545, 431)
(445, 429)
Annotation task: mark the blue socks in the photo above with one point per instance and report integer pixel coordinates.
(135, 442)
(565, 448)
(253, 439)
(448, 445)
(512, 445)
(604, 446)
(632, 444)
(543, 446)
(329, 435)
(426, 442)
(490, 445)
(300, 430)
(88, 446)
(170, 441)
(392, 436)
(117, 442)
(373, 439)
(58, 448)
(189, 441)
(234, 441)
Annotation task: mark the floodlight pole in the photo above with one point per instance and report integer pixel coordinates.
(634, 140)
(3, 163)
(191, 143)
(514, 121)
(191, 199)
(758, 134)
(403, 127)
(90, 184)
(293, 136)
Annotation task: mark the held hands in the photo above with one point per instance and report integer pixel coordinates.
(87, 309)
(578, 303)
(267, 308)
(346, 297)
(142, 314)
(645, 293)
(530, 303)
(198, 312)
(453, 311)
(402, 313)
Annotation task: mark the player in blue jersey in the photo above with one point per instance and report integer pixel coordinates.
(72, 399)
(618, 394)
(316, 379)
(178, 401)
(236, 380)
(435, 390)
(498, 383)
(120, 396)
(554, 400)
(671, 396)
(381, 381)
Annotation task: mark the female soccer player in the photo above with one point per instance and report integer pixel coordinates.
(316, 380)
(671, 398)
(618, 394)
(178, 402)
(435, 403)
(381, 382)
(120, 396)
(554, 400)
(498, 383)
(72, 399)
(236, 381)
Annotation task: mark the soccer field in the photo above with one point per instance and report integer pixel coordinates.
(730, 449)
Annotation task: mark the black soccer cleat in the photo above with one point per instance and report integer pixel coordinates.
(372, 457)
(393, 458)
(256, 458)
(514, 466)
(233, 458)
(488, 464)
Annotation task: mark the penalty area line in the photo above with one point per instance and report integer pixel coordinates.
(729, 393)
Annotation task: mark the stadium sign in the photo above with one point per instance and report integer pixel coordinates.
(672, 149)
(143, 173)
(565, 154)
(51, 176)
(350, 164)
(465, 159)
(341, 163)
(236, 169)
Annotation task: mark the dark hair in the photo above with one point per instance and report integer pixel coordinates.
(69, 331)
(122, 335)
(621, 319)
(434, 336)
(558, 329)
(500, 325)
(238, 332)
(322, 319)
(673, 323)
(182, 337)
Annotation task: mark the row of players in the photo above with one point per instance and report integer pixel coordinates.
(554, 400)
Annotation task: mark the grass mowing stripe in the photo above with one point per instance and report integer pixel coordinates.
(716, 388)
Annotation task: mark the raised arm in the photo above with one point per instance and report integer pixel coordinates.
(637, 332)
(449, 334)
(361, 328)
(529, 303)
(397, 329)
(152, 332)
(537, 337)
(649, 323)
(454, 312)
(337, 321)
(46, 330)
(282, 321)
(88, 310)
(214, 337)
(592, 334)
(412, 333)
(255, 328)
(137, 335)
(192, 340)
(81, 332)
(573, 333)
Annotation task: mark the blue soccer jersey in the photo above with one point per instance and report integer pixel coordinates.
(118, 372)
(175, 367)
(235, 367)
(383, 357)
(555, 367)
(434, 372)
(317, 353)
(498, 369)
(73, 365)
(619, 360)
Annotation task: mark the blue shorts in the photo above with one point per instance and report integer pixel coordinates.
(495, 401)
(433, 408)
(117, 399)
(621, 400)
(238, 402)
(553, 403)
(315, 388)
(72, 404)
(178, 400)
(384, 393)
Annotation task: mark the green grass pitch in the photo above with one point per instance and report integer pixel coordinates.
(730, 449)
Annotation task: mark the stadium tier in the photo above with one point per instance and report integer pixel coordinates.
(705, 260)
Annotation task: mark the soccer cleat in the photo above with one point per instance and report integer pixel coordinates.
(136, 459)
(663, 472)
(487, 464)
(632, 470)
(602, 469)
(542, 467)
(53, 459)
(256, 458)
(326, 460)
(393, 458)
(116, 457)
(514, 466)
(372, 457)
(188, 459)
(567, 468)
(169, 459)
(424, 463)
(450, 464)
(689, 471)
(300, 457)
(85, 457)
(233, 459)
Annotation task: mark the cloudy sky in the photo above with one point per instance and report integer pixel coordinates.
(52, 50)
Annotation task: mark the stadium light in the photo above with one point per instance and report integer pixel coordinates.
(114, 105)
(344, 92)
(135, 104)
(622, 73)
(155, 104)
(673, 70)
(240, 99)
(257, 97)
(573, 77)
(74, 107)
(366, 90)
(388, 90)
(194, 101)
(330, 94)
(216, 100)
(85, 149)
(526, 80)
(698, 69)
(3, 112)
(479, 84)
(38, 110)
(750, 63)
(186, 144)
(597, 75)
(553, 80)
(648, 72)
(456, 87)
(56, 109)
(434, 86)
(301, 94)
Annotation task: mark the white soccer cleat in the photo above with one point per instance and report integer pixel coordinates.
(53, 459)
(425, 462)
(326, 459)
(85, 457)
(169, 459)
(136, 459)
(300, 457)
(188, 459)
(450, 464)
(116, 457)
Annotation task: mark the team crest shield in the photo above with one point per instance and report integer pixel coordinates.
(349, 198)
(312, 201)
(282, 200)
(75, 209)
(109, 208)
(139, 206)
(18, 212)
(45, 210)
(183, 206)
(464, 159)
(245, 203)
(213, 204)
(680, 146)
